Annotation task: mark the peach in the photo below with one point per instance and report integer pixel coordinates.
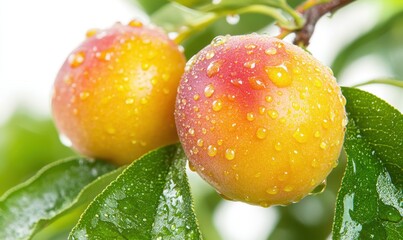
(260, 119)
(114, 96)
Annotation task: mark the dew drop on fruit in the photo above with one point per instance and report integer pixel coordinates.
(250, 64)
(196, 97)
(210, 54)
(261, 133)
(272, 113)
(91, 32)
(76, 59)
(211, 150)
(278, 146)
(262, 110)
(135, 23)
(104, 55)
(230, 154)
(323, 145)
(319, 189)
(200, 142)
(314, 163)
(219, 40)
(272, 190)
(209, 90)
(213, 68)
(270, 51)
(268, 99)
(288, 188)
(191, 131)
(317, 134)
(279, 75)
(217, 105)
(317, 83)
(256, 83)
(300, 136)
(232, 19)
(220, 142)
(250, 116)
(236, 82)
(192, 167)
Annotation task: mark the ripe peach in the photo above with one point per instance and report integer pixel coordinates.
(260, 119)
(114, 96)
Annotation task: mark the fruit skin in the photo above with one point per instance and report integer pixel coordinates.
(114, 96)
(260, 119)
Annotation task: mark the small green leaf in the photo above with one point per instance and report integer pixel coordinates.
(149, 200)
(55, 189)
(370, 200)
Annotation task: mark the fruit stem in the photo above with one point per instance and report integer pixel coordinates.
(392, 82)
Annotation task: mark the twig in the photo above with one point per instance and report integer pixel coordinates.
(312, 13)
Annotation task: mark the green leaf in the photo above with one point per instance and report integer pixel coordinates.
(55, 189)
(370, 200)
(27, 143)
(149, 200)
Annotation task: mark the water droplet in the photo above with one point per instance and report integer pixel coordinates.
(272, 190)
(296, 106)
(236, 82)
(300, 136)
(217, 105)
(219, 40)
(76, 59)
(84, 95)
(279, 75)
(145, 66)
(209, 90)
(278, 146)
(317, 83)
(270, 51)
(314, 163)
(344, 122)
(288, 188)
(268, 98)
(272, 113)
(211, 150)
(250, 64)
(65, 140)
(233, 19)
(129, 101)
(104, 55)
(135, 23)
(323, 145)
(317, 134)
(230, 154)
(91, 32)
(319, 189)
(256, 83)
(262, 110)
(213, 68)
(220, 142)
(191, 131)
(261, 133)
(200, 142)
(250, 116)
(196, 97)
(325, 124)
(250, 46)
(210, 54)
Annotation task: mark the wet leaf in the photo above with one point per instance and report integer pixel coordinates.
(53, 191)
(149, 200)
(370, 200)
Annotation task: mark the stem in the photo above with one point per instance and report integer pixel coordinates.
(312, 11)
(392, 82)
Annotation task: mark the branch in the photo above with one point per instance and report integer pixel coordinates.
(312, 12)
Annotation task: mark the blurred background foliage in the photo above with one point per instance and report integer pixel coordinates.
(28, 142)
